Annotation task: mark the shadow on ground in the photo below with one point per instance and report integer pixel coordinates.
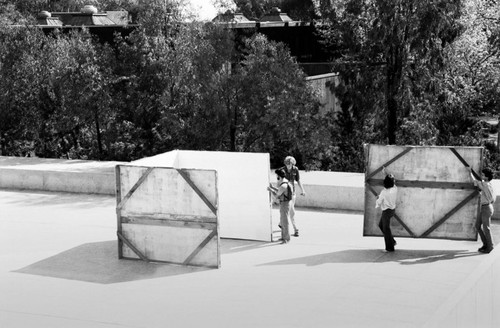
(99, 263)
(404, 257)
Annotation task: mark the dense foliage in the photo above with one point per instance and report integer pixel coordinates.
(411, 72)
(166, 86)
(415, 72)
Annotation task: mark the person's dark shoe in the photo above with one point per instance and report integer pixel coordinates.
(279, 226)
(387, 250)
(485, 250)
(481, 249)
(296, 234)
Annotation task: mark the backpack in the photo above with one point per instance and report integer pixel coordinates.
(288, 195)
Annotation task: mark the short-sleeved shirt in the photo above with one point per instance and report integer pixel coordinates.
(387, 198)
(292, 175)
(487, 193)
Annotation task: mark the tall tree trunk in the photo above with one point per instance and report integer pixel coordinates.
(98, 133)
(232, 130)
(394, 76)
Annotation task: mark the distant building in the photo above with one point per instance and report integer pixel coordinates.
(103, 25)
(300, 37)
(303, 42)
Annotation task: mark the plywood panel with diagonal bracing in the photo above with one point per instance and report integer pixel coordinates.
(168, 215)
(436, 197)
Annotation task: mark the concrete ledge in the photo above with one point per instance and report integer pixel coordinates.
(333, 190)
(76, 176)
(326, 190)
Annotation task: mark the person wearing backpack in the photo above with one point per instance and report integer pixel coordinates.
(292, 175)
(283, 195)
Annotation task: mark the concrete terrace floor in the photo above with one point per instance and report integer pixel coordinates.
(59, 269)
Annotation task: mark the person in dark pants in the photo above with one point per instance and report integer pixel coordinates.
(283, 196)
(386, 201)
(293, 175)
(483, 221)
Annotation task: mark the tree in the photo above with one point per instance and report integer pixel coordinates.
(74, 93)
(395, 37)
(19, 79)
(279, 112)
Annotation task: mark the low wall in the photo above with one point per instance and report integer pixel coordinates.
(76, 176)
(332, 190)
(326, 190)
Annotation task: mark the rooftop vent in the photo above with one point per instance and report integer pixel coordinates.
(275, 15)
(44, 14)
(89, 9)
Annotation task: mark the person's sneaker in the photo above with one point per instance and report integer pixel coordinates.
(296, 234)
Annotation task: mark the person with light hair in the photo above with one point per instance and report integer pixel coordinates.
(292, 175)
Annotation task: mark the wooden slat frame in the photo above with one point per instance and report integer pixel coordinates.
(118, 211)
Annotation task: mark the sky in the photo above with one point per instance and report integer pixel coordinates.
(206, 10)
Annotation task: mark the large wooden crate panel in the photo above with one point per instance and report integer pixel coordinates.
(168, 215)
(436, 197)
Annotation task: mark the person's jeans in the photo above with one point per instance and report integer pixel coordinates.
(292, 212)
(284, 215)
(483, 223)
(385, 226)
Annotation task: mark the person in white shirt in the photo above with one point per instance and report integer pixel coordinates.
(386, 201)
(483, 221)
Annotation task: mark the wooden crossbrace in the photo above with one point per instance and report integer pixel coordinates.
(132, 247)
(425, 184)
(404, 152)
(186, 177)
(461, 159)
(395, 215)
(450, 213)
(134, 188)
(200, 247)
